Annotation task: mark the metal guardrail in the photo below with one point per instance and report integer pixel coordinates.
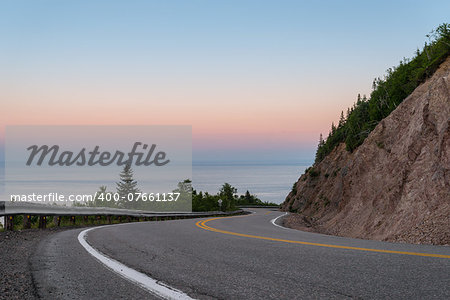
(258, 206)
(20, 208)
(27, 209)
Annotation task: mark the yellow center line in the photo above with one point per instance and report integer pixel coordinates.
(202, 224)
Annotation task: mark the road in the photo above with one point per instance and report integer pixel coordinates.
(243, 257)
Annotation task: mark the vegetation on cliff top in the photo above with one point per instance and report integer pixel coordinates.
(387, 94)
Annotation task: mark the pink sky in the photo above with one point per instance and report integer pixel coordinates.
(222, 117)
(246, 76)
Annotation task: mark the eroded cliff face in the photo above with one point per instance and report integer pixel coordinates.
(396, 185)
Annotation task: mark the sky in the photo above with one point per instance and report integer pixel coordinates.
(257, 80)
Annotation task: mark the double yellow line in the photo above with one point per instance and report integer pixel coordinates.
(202, 224)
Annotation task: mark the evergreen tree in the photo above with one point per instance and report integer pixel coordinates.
(126, 186)
(100, 198)
(184, 187)
(333, 128)
(227, 193)
(249, 198)
(185, 200)
(320, 153)
(341, 120)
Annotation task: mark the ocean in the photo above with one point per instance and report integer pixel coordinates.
(269, 182)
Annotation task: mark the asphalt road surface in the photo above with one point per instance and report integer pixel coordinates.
(243, 257)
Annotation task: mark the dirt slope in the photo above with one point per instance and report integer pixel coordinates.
(396, 185)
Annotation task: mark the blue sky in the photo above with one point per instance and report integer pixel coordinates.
(257, 80)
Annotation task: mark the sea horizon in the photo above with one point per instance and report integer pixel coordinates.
(270, 181)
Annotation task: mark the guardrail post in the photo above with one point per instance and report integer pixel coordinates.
(108, 219)
(57, 220)
(42, 222)
(72, 220)
(128, 219)
(9, 220)
(26, 222)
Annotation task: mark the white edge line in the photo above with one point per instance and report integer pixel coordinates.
(130, 274)
(273, 221)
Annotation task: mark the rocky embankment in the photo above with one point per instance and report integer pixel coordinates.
(395, 186)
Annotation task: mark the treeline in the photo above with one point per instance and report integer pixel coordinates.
(387, 94)
(226, 200)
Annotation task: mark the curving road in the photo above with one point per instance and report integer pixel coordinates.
(244, 257)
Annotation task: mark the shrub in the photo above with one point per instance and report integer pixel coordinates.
(313, 173)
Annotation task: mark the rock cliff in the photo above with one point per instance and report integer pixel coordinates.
(395, 186)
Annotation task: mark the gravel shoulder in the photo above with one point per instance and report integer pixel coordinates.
(17, 248)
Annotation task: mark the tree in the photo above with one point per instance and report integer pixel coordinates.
(184, 187)
(227, 194)
(341, 120)
(126, 186)
(186, 191)
(320, 153)
(249, 198)
(100, 198)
